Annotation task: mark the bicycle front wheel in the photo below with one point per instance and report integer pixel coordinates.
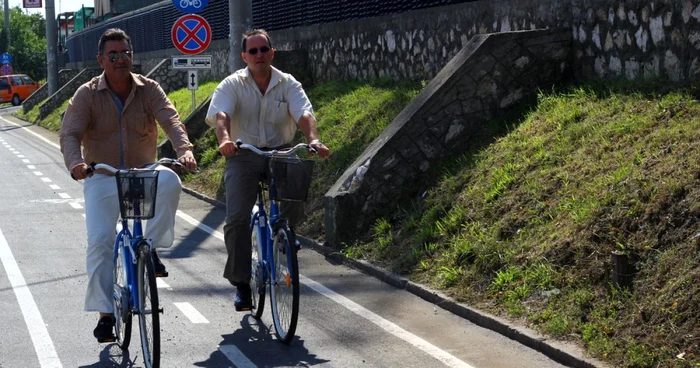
(284, 288)
(257, 276)
(149, 313)
(120, 293)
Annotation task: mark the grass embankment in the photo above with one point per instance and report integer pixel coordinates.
(526, 227)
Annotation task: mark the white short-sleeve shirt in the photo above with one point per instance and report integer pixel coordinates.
(268, 120)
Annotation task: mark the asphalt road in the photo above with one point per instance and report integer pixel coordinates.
(347, 318)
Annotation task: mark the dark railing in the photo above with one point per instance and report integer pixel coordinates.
(150, 27)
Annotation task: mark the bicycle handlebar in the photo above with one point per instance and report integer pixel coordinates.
(163, 161)
(286, 152)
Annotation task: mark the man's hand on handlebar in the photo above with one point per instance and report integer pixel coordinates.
(80, 171)
(321, 149)
(228, 148)
(188, 161)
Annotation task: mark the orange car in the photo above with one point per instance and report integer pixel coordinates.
(16, 88)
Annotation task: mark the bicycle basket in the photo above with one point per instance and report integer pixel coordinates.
(137, 193)
(292, 177)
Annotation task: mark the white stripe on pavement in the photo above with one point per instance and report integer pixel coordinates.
(43, 345)
(439, 354)
(29, 131)
(390, 327)
(190, 312)
(236, 356)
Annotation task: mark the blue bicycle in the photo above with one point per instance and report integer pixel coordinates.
(135, 291)
(274, 246)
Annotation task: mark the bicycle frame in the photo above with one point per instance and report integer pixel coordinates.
(128, 242)
(265, 226)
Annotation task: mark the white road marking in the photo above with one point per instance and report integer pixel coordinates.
(54, 187)
(190, 312)
(31, 167)
(75, 205)
(30, 132)
(46, 180)
(38, 173)
(236, 356)
(43, 345)
(26, 161)
(160, 284)
(20, 156)
(64, 195)
(57, 200)
(392, 328)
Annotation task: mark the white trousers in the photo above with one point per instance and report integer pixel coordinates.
(102, 214)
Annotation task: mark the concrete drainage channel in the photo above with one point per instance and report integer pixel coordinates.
(562, 352)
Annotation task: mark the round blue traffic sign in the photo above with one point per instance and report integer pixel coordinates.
(190, 6)
(5, 58)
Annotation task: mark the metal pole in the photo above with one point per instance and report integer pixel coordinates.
(51, 36)
(240, 22)
(7, 23)
(193, 102)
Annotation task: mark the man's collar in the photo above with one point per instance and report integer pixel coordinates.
(276, 77)
(102, 84)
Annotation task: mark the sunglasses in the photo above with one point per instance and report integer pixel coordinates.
(263, 49)
(114, 56)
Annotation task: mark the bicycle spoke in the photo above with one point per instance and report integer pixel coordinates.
(284, 290)
(149, 317)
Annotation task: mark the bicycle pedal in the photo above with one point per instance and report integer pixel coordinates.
(107, 340)
(160, 310)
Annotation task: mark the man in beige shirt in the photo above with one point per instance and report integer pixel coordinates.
(261, 106)
(113, 117)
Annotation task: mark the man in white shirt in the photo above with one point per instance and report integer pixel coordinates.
(262, 106)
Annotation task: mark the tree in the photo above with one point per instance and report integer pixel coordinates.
(27, 43)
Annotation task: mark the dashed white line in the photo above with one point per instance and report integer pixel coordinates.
(75, 205)
(37, 173)
(46, 180)
(31, 167)
(190, 312)
(43, 345)
(64, 195)
(26, 161)
(54, 187)
(160, 284)
(20, 156)
(236, 356)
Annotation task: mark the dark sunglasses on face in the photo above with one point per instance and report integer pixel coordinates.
(263, 49)
(114, 56)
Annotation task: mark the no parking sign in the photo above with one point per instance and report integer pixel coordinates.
(191, 34)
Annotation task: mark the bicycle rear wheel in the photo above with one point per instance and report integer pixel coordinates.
(120, 293)
(257, 276)
(284, 290)
(149, 313)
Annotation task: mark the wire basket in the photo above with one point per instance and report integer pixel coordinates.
(292, 177)
(137, 193)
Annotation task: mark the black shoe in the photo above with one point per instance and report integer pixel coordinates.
(104, 332)
(159, 266)
(244, 299)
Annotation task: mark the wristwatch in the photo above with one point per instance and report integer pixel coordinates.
(315, 141)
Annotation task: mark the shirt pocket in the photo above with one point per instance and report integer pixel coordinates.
(277, 112)
(144, 124)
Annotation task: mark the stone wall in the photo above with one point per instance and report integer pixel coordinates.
(169, 79)
(66, 92)
(637, 39)
(489, 76)
(64, 75)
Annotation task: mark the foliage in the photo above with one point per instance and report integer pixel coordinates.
(27, 43)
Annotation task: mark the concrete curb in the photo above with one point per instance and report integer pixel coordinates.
(562, 352)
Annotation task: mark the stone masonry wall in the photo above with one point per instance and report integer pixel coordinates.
(490, 75)
(64, 75)
(637, 39)
(66, 92)
(168, 78)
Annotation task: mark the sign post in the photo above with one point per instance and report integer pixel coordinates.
(191, 35)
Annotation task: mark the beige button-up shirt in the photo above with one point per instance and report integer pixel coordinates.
(93, 119)
(261, 120)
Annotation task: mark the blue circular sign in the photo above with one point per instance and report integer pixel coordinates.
(5, 58)
(190, 6)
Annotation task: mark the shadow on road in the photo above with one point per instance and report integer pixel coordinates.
(257, 342)
(111, 357)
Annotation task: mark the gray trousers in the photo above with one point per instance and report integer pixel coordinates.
(241, 177)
